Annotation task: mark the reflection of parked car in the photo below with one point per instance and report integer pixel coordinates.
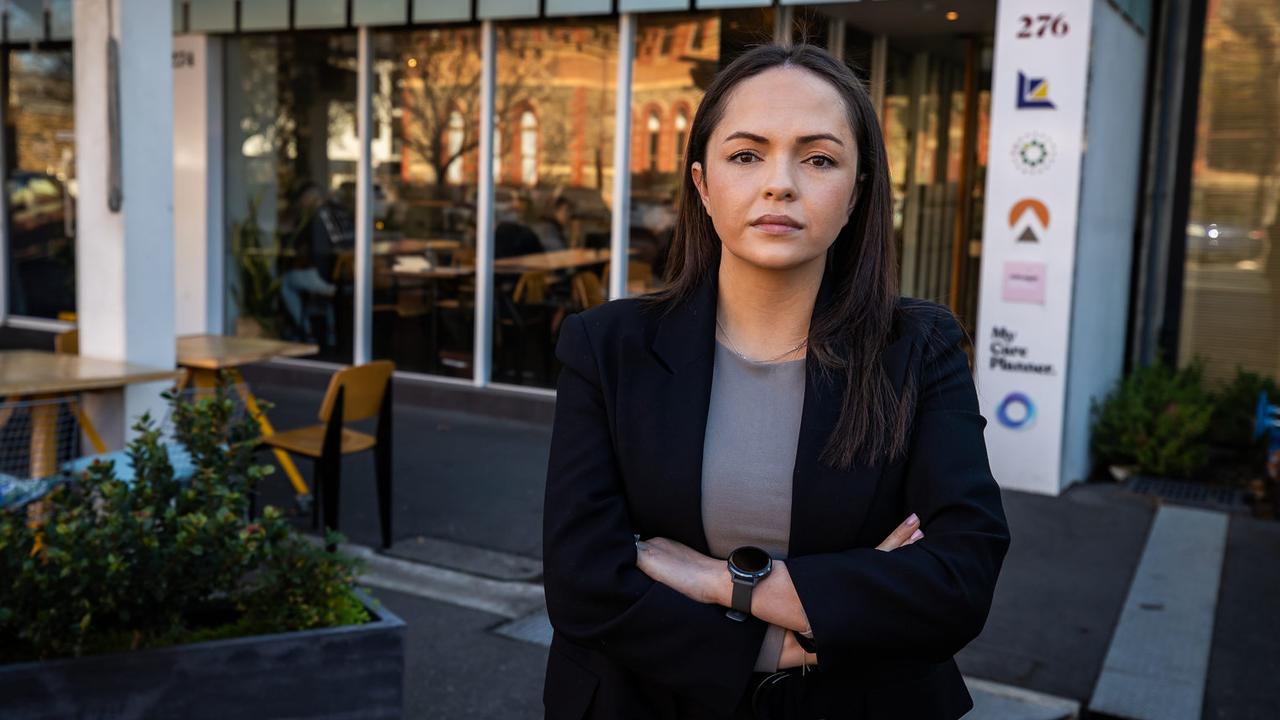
(1219, 242)
(37, 213)
(589, 207)
(41, 248)
(652, 215)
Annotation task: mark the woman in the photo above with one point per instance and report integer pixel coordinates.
(733, 457)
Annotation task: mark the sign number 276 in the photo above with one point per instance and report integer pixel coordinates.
(1040, 25)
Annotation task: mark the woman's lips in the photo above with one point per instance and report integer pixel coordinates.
(775, 228)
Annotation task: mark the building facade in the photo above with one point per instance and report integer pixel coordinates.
(1089, 186)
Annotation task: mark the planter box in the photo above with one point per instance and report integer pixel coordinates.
(355, 671)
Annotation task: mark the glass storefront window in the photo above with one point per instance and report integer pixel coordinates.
(291, 151)
(676, 56)
(1231, 291)
(553, 181)
(935, 139)
(427, 92)
(39, 150)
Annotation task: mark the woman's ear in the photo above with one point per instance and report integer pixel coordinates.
(700, 182)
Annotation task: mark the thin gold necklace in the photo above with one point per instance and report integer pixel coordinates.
(739, 353)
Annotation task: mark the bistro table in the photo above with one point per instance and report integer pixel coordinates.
(555, 260)
(408, 246)
(43, 376)
(205, 356)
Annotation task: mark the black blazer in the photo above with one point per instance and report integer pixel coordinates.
(626, 458)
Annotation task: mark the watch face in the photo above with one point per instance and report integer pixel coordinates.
(750, 559)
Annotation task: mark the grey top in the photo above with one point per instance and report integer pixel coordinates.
(748, 460)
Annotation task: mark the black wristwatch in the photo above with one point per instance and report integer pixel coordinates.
(748, 565)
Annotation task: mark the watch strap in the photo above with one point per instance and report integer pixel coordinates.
(741, 600)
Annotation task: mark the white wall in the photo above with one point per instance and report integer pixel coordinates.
(125, 259)
(199, 233)
(1108, 213)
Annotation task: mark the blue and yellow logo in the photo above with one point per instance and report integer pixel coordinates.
(1033, 93)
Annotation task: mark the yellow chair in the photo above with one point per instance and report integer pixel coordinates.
(355, 393)
(587, 290)
(67, 342)
(531, 288)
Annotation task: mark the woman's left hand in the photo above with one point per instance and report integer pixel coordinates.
(683, 569)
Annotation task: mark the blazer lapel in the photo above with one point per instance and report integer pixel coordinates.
(829, 505)
(685, 342)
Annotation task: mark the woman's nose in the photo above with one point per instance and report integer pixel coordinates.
(780, 185)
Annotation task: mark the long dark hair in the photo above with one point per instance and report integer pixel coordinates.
(851, 332)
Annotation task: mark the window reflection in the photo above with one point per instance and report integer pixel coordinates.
(553, 175)
(424, 247)
(290, 175)
(676, 57)
(39, 123)
(1231, 291)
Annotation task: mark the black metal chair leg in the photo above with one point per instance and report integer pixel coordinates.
(382, 467)
(331, 474)
(317, 480)
(330, 494)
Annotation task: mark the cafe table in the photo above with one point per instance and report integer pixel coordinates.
(205, 356)
(44, 376)
(553, 261)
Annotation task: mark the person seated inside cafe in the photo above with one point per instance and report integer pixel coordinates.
(553, 229)
(324, 229)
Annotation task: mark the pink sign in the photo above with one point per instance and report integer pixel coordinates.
(1024, 282)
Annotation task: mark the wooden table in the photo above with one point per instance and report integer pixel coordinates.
(438, 272)
(409, 246)
(44, 376)
(205, 356)
(555, 260)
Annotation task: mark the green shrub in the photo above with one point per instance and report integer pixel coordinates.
(1157, 419)
(97, 566)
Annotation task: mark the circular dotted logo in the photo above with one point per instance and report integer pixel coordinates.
(1016, 411)
(1033, 153)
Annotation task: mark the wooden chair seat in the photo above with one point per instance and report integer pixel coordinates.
(309, 441)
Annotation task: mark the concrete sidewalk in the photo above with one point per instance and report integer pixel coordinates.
(469, 498)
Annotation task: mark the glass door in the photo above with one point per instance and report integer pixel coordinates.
(934, 120)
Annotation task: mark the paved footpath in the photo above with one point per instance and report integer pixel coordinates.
(468, 526)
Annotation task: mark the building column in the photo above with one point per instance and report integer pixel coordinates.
(125, 249)
(198, 212)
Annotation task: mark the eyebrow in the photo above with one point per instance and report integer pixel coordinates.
(802, 140)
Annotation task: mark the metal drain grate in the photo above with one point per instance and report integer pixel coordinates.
(1195, 494)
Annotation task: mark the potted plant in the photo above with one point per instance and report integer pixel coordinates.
(160, 597)
(1155, 422)
(257, 288)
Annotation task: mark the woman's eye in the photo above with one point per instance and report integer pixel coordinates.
(819, 161)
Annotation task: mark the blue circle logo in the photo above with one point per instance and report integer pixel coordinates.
(1016, 412)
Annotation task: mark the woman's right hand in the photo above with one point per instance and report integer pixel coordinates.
(903, 535)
